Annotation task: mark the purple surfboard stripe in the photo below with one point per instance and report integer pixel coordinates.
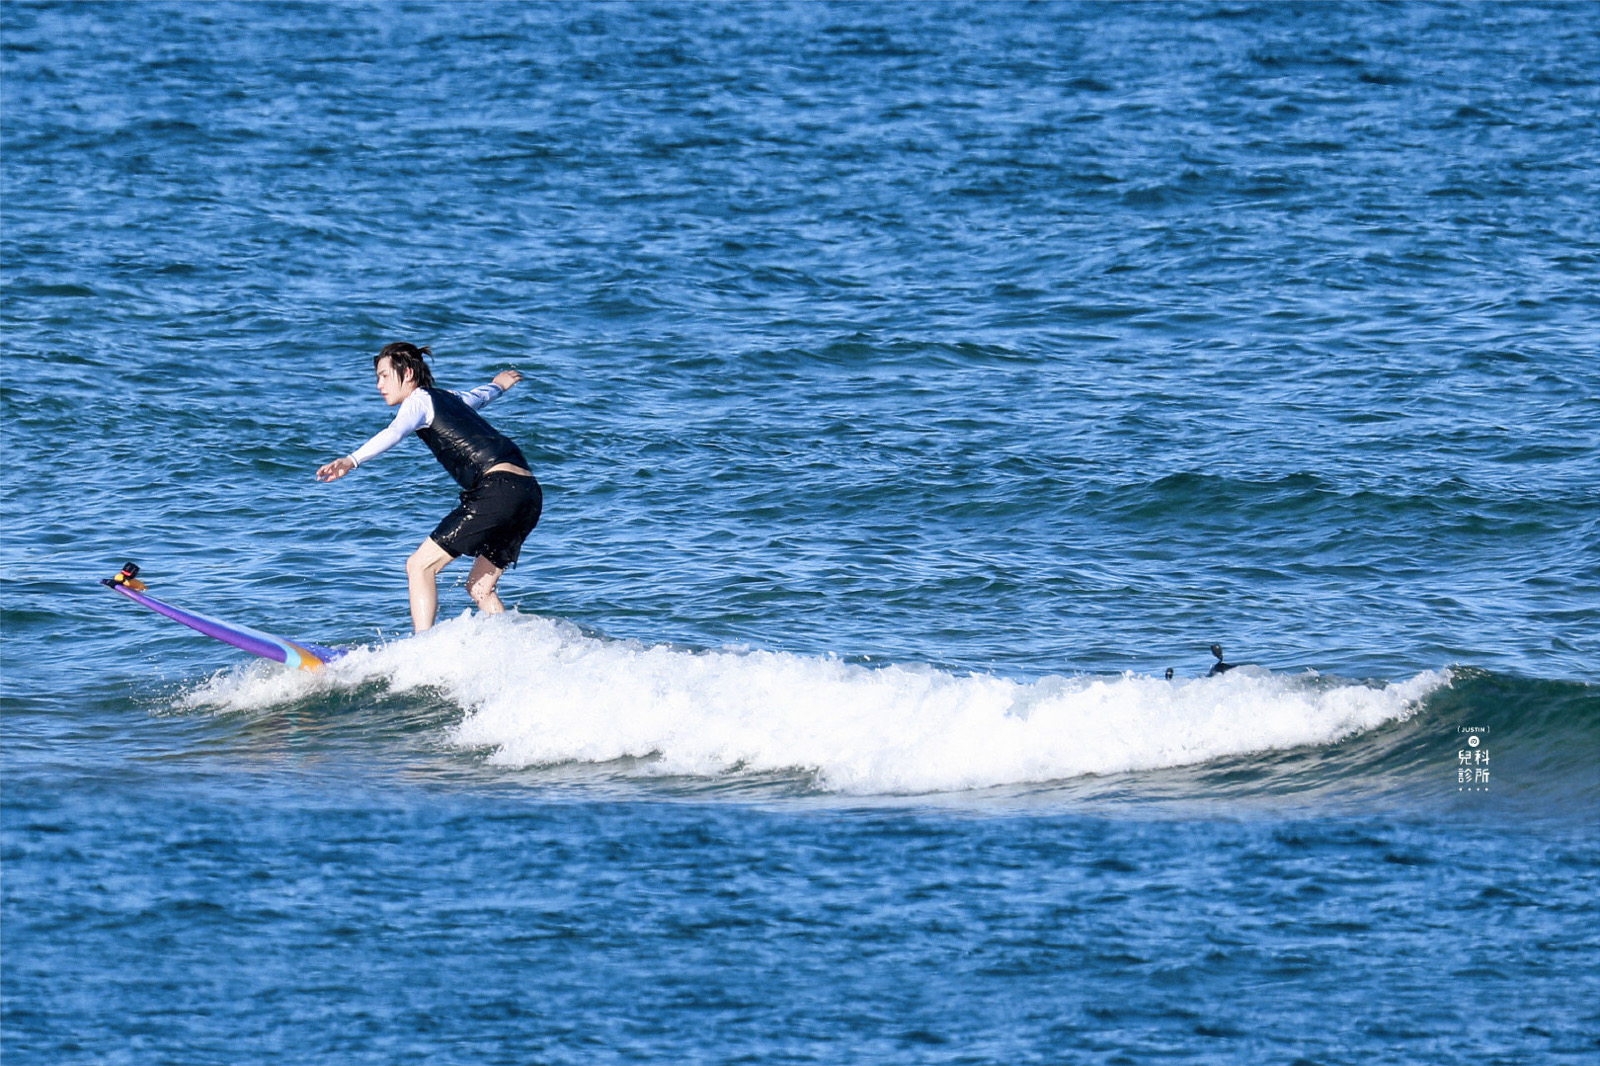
(242, 637)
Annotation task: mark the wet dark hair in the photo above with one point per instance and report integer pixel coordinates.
(407, 359)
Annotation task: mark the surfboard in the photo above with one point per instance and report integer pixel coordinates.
(297, 654)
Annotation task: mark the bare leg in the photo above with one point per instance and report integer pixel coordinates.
(422, 572)
(481, 583)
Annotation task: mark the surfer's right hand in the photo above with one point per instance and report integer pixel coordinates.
(335, 470)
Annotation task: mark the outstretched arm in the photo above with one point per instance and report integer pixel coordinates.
(484, 394)
(415, 412)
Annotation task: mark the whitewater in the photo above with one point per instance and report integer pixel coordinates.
(536, 691)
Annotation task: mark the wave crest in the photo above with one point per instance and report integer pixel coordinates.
(539, 691)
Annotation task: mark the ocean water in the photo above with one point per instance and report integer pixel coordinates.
(912, 386)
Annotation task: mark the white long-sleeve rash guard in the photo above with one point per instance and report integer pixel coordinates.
(416, 411)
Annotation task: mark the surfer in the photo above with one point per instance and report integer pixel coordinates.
(500, 498)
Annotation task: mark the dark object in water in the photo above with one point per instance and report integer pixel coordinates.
(1219, 667)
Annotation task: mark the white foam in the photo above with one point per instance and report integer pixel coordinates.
(255, 685)
(538, 691)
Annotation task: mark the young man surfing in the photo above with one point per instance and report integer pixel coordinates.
(500, 498)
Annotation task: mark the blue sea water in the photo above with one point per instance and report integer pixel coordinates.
(911, 386)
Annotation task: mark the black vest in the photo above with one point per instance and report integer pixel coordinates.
(463, 442)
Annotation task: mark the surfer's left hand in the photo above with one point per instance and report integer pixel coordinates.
(335, 470)
(507, 378)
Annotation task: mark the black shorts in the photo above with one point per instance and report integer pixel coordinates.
(494, 516)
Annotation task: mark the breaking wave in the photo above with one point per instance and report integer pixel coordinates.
(537, 691)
